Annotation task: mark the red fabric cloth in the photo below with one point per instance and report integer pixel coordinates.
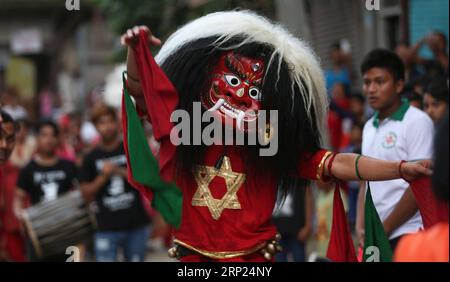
(236, 229)
(161, 99)
(155, 86)
(341, 247)
(431, 210)
(13, 246)
(7, 195)
(11, 238)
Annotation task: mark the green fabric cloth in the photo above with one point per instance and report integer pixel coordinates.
(376, 242)
(167, 197)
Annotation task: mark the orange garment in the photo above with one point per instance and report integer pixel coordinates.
(431, 245)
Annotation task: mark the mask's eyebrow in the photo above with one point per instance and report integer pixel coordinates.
(258, 83)
(235, 66)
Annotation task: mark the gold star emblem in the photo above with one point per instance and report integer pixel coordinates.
(203, 197)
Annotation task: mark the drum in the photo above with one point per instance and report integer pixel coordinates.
(53, 226)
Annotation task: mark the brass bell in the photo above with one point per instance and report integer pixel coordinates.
(268, 256)
(279, 248)
(173, 252)
(271, 248)
(278, 237)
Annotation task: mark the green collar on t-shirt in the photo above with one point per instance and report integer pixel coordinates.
(397, 115)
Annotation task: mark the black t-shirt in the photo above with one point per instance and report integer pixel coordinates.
(46, 183)
(290, 217)
(118, 206)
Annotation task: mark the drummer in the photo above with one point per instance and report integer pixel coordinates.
(46, 177)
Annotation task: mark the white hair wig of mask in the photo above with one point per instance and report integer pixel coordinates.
(304, 67)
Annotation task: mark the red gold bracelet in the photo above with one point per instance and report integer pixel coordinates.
(330, 164)
(321, 168)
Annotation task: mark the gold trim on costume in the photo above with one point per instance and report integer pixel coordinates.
(221, 255)
(319, 175)
(203, 197)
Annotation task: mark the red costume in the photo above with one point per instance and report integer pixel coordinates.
(227, 209)
(221, 197)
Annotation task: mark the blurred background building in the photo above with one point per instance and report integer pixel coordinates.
(43, 46)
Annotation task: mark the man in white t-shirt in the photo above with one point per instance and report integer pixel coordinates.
(396, 132)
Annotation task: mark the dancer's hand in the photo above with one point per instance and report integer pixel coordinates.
(131, 37)
(413, 170)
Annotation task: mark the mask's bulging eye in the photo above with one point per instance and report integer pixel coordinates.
(255, 93)
(232, 80)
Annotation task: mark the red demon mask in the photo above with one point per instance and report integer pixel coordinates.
(235, 92)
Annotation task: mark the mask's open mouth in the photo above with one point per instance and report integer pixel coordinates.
(241, 115)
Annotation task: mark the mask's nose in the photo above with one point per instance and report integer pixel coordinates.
(240, 98)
